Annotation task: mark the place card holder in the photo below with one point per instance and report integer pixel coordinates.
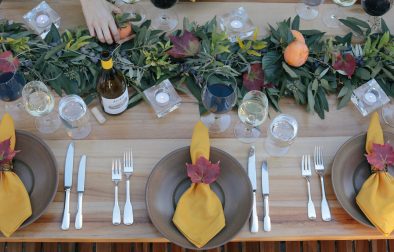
(41, 18)
(163, 98)
(369, 97)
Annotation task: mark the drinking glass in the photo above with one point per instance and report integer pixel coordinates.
(308, 9)
(75, 116)
(133, 8)
(219, 95)
(281, 134)
(39, 102)
(388, 114)
(11, 81)
(167, 20)
(252, 112)
(376, 9)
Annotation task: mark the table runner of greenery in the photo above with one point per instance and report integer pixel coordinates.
(69, 62)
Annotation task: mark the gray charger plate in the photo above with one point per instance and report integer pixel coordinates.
(168, 181)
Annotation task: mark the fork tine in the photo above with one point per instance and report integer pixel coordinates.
(303, 163)
(321, 155)
(309, 163)
(124, 159)
(131, 156)
(119, 167)
(113, 167)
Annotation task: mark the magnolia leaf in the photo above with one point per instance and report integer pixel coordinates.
(203, 171)
(6, 153)
(382, 155)
(186, 45)
(345, 65)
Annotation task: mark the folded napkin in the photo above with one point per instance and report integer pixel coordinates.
(199, 213)
(376, 197)
(15, 205)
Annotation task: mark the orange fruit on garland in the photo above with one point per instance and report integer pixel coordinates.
(298, 36)
(124, 32)
(296, 54)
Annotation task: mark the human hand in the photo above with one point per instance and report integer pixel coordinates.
(98, 16)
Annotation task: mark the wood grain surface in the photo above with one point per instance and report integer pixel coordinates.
(152, 138)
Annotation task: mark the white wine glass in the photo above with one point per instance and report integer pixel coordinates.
(39, 102)
(308, 9)
(252, 112)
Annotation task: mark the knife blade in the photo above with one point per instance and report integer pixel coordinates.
(80, 190)
(266, 191)
(68, 179)
(254, 224)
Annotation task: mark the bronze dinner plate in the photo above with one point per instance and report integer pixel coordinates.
(350, 169)
(35, 165)
(168, 181)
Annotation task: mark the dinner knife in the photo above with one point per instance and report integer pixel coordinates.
(80, 190)
(68, 180)
(266, 191)
(254, 224)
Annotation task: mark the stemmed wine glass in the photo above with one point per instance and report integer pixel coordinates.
(11, 83)
(219, 95)
(376, 9)
(252, 112)
(308, 9)
(167, 20)
(39, 102)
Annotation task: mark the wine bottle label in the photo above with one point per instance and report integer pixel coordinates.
(117, 105)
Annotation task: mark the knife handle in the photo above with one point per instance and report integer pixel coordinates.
(78, 218)
(254, 223)
(267, 219)
(66, 211)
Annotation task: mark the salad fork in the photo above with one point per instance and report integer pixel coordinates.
(116, 178)
(319, 168)
(128, 217)
(306, 172)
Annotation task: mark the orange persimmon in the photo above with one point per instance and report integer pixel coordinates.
(125, 31)
(296, 54)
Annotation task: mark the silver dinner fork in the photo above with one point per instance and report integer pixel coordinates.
(128, 217)
(116, 177)
(306, 172)
(319, 168)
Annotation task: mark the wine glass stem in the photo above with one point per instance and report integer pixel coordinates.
(376, 24)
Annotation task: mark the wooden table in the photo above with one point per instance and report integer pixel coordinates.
(152, 138)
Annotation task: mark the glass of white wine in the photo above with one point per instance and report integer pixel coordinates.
(252, 112)
(39, 102)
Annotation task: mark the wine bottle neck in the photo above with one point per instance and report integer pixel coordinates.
(107, 64)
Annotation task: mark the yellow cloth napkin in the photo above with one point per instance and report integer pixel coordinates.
(199, 213)
(376, 197)
(15, 205)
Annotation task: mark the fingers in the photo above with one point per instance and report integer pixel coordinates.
(99, 33)
(114, 30)
(91, 30)
(107, 34)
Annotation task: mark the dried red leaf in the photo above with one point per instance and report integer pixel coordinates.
(382, 155)
(6, 153)
(203, 171)
(254, 79)
(186, 45)
(12, 63)
(346, 65)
